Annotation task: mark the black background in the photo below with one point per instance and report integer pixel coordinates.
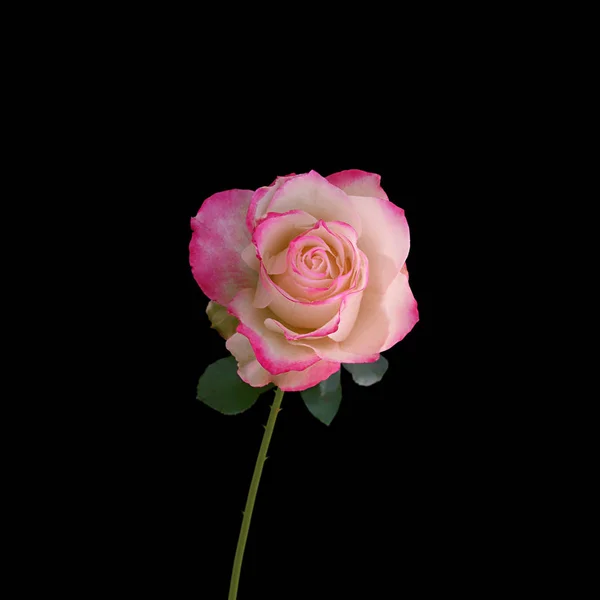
(403, 490)
(423, 483)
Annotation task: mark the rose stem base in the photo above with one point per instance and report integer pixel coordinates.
(260, 461)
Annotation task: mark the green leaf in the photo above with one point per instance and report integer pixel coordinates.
(323, 400)
(368, 373)
(222, 389)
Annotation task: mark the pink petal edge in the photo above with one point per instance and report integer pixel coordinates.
(358, 183)
(218, 240)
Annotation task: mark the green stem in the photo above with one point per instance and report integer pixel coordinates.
(260, 461)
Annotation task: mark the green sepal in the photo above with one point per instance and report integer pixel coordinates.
(367, 373)
(221, 320)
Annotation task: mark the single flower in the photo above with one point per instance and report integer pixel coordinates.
(314, 271)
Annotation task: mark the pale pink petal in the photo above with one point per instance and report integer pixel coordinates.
(305, 278)
(316, 196)
(348, 312)
(402, 311)
(308, 293)
(297, 381)
(262, 295)
(218, 240)
(255, 375)
(328, 349)
(260, 201)
(354, 280)
(272, 350)
(383, 319)
(277, 264)
(340, 246)
(275, 232)
(249, 368)
(300, 333)
(240, 347)
(343, 229)
(385, 238)
(327, 290)
(358, 183)
(296, 313)
(250, 258)
(261, 198)
(322, 240)
(337, 328)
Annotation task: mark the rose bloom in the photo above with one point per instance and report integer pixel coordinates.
(314, 270)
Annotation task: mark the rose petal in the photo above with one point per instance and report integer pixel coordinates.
(385, 238)
(337, 328)
(316, 196)
(272, 350)
(383, 319)
(292, 310)
(343, 229)
(328, 349)
(334, 238)
(260, 201)
(250, 258)
(277, 327)
(275, 232)
(218, 240)
(348, 312)
(402, 310)
(278, 264)
(358, 183)
(297, 381)
(262, 294)
(249, 369)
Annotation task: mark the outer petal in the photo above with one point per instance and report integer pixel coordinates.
(358, 183)
(348, 312)
(401, 308)
(218, 239)
(383, 319)
(316, 196)
(328, 349)
(260, 201)
(272, 350)
(385, 238)
(255, 375)
(296, 381)
(275, 231)
(249, 368)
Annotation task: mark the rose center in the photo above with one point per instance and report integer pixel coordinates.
(313, 259)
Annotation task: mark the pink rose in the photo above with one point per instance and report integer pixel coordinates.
(313, 268)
